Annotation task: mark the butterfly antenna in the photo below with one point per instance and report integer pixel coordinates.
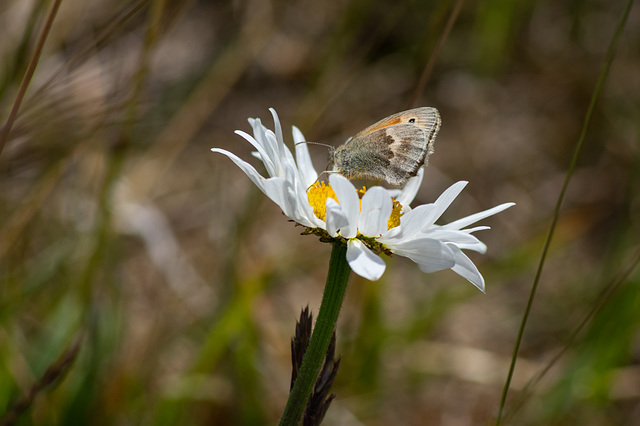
(316, 143)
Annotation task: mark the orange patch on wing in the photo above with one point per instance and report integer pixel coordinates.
(382, 125)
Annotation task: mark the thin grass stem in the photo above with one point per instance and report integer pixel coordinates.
(602, 299)
(4, 133)
(426, 73)
(556, 211)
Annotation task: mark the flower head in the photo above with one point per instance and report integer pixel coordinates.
(370, 222)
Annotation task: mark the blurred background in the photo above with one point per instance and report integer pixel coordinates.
(120, 230)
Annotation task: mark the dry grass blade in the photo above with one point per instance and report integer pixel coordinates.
(426, 73)
(55, 373)
(4, 134)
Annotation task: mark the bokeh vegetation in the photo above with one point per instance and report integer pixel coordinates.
(145, 280)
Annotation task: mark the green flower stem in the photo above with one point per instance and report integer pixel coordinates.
(332, 298)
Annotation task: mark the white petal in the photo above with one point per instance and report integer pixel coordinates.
(278, 131)
(278, 189)
(463, 240)
(466, 269)
(410, 189)
(260, 135)
(411, 224)
(247, 168)
(307, 171)
(272, 147)
(376, 210)
(395, 193)
(263, 155)
(276, 151)
(479, 247)
(475, 228)
(363, 261)
(430, 254)
(283, 150)
(420, 219)
(336, 219)
(349, 202)
(305, 208)
(292, 200)
(444, 201)
(466, 221)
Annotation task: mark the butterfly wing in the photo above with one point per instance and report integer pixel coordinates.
(393, 149)
(393, 154)
(425, 117)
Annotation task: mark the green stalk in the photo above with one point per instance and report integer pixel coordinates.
(332, 298)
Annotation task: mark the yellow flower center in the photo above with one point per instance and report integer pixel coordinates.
(320, 191)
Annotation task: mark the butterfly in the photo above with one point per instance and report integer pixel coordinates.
(391, 150)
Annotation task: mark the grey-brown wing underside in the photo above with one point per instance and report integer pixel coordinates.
(393, 154)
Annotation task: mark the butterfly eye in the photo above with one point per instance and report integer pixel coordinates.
(412, 120)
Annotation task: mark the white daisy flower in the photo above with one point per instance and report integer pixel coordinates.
(370, 222)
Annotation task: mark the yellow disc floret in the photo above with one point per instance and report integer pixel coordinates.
(318, 194)
(320, 191)
(394, 219)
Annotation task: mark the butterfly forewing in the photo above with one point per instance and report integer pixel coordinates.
(425, 117)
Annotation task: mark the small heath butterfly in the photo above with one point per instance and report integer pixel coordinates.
(391, 150)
